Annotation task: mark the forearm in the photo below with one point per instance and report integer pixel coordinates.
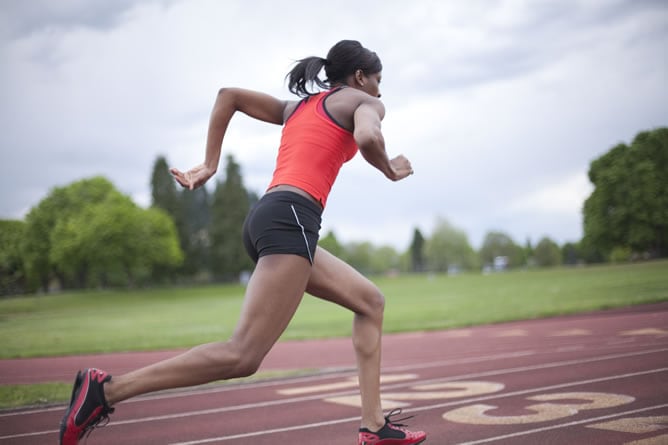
(373, 150)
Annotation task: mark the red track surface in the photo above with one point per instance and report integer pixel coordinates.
(598, 378)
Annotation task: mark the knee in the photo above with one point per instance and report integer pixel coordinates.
(245, 363)
(374, 302)
(246, 368)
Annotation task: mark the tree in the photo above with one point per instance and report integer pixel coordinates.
(331, 244)
(528, 252)
(590, 253)
(190, 211)
(360, 256)
(114, 242)
(449, 247)
(385, 259)
(629, 205)
(89, 234)
(498, 244)
(12, 272)
(231, 203)
(166, 196)
(60, 205)
(156, 244)
(417, 251)
(547, 253)
(195, 240)
(164, 192)
(570, 254)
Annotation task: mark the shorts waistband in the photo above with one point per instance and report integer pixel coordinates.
(292, 197)
(294, 189)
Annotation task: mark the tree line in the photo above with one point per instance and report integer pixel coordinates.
(89, 235)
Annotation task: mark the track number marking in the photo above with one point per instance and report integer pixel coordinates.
(438, 391)
(542, 412)
(635, 425)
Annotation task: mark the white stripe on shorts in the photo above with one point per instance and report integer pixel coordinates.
(303, 233)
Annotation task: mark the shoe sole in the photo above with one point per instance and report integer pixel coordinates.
(76, 388)
(422, 441)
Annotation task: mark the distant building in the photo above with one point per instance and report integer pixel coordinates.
(501, 263)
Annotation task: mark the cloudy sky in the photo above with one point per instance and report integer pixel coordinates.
(500, 105)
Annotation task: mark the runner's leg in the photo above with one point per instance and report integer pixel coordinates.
(334, 280)
(272, 297)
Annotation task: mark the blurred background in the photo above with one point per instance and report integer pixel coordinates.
(537, 131)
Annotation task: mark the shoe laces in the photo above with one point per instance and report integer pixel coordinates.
(100, 422)
(396, 412)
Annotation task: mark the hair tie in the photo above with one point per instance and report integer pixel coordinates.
(325, 62)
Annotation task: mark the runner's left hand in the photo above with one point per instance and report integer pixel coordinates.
(193, 178)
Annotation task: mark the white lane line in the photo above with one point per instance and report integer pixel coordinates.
(235, 386)
(274, 431)
(336, 372)
(342, 393)
(532, 390)
(563, 425)
(524, 368)
(428, 408)
(349, 419)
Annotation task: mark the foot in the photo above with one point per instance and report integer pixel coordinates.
(391, 434)
(88, 407)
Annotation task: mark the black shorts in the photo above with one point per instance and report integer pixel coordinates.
(282, 222)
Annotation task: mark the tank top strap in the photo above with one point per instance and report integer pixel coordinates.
(321, 108)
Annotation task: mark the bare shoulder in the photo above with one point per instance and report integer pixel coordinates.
(344, 103)
(290, 107)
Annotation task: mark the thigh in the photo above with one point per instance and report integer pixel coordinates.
(272, 297)
(334, 280)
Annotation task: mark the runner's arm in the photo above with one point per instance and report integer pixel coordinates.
(369, 139)
(257, 105)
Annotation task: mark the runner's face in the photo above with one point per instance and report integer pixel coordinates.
(372, 84)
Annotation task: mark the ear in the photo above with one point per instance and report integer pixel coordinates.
(359, 77)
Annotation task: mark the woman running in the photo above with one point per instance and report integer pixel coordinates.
(320, 133)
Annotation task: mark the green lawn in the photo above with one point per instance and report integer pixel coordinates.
(107, 321)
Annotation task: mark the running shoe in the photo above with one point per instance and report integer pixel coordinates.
(392, 433)
(88, 408)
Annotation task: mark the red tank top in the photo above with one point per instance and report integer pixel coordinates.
(313, 149)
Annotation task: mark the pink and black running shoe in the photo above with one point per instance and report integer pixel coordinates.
(88, 407)
(391, 433)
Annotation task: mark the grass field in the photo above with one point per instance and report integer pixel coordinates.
(108, 321)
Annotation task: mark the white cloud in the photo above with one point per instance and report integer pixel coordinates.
(563, 197)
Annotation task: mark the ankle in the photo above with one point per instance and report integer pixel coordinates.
(108, 392)
(373, 425)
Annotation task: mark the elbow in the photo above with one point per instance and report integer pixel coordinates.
(375, 139)
(227, 95)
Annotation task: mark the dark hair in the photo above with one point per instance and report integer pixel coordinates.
(343, 59)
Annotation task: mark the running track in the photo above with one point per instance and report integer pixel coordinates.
(599, 378)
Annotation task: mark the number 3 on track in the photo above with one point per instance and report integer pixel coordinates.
(542, 412)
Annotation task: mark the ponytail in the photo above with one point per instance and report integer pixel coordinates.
(305, 73)
(343, 59)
